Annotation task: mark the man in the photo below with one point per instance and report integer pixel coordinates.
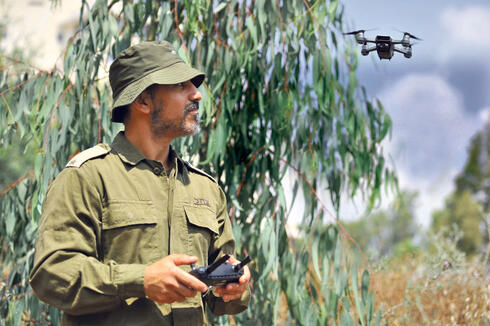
(122, 223)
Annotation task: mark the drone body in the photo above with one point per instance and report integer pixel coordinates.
(384, 45)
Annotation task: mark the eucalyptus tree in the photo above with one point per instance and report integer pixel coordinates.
(281, 96)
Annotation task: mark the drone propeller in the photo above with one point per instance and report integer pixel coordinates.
(412, 36)
(407, 34)
(359, 31)
(355, 32)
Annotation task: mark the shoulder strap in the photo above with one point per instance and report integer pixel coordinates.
(88, 154)
(199, 171)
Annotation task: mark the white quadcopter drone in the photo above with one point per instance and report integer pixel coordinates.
(384, 45)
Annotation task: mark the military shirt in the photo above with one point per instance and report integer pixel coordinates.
(110, 213)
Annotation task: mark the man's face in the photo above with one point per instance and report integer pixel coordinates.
(175, 110)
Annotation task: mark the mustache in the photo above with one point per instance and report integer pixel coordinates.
(191, 106)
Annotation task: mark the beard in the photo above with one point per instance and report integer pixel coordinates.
(182, 127)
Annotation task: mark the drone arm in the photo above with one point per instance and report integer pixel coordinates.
(365, 50)
(407, 51)
(404, 51)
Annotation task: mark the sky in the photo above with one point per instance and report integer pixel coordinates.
(439, 98)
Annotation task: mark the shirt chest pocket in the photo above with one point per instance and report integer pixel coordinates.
(202, 229)
(129, 232)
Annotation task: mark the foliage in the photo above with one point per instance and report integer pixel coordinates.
(443, 252)
(475, 176)
(468, 207)
(466, 214)
(387, 231)
(280, 94)
(12, 165)
(15, 160)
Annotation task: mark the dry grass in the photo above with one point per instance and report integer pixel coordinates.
(407, 296)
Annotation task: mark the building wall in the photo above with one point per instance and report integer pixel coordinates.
(40, 28)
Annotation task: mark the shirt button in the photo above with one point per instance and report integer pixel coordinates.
(157, 170)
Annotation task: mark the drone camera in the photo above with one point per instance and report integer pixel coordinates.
(384, 46)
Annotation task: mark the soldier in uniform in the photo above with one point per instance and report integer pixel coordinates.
(122, 222)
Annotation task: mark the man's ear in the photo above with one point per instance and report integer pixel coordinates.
(143, 103)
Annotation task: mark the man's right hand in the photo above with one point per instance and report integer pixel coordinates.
(165, 282)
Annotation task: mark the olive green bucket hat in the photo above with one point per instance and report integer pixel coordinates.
(143, 65)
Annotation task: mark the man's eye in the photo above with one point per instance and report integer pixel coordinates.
(181, 84)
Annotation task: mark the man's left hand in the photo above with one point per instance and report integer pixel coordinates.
(233, 291)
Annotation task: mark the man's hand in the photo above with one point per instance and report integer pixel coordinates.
(165, 282)
(233, 291)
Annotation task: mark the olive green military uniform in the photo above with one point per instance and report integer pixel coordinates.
(110, 213)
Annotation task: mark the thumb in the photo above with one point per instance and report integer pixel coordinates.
(181, 259)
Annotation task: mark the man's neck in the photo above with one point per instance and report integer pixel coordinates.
(153, 148)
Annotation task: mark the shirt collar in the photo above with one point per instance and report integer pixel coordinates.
(131, 155)
(126, 151)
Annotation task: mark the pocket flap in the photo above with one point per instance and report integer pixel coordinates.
(127, 213)
(201, 217)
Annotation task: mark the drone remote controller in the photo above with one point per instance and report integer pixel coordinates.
(221, 272)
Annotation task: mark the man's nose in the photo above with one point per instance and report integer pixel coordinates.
(196, 94)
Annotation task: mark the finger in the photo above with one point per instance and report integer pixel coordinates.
(169, 298)
(181, 259)
(220, 290)
(235, 289)
(245, 278)
(185, 291)
(229, 297)
(231, 289)
(177, 297)
(235, 293)
(233, 260)
(191, 281)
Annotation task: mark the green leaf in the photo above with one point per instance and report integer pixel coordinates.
(378, 318)
(9, 223)
(253, 31)
(91, 27)
(220, 7)
(346, 319)
(218, 86)
(365, 286)
(354, 287)
(17, 312)
(314, 256)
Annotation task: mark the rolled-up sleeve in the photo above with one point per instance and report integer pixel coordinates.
(68, 270)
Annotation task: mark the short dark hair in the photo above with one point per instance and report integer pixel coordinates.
(124, 113)
(151, 90)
